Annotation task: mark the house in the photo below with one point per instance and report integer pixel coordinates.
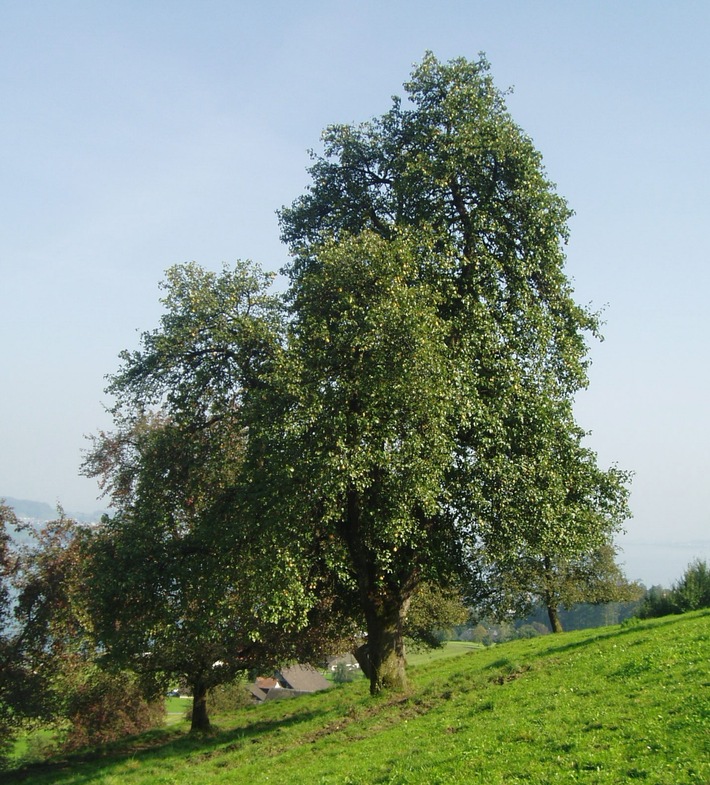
(343, 661)
(302, 678)
(289, 682)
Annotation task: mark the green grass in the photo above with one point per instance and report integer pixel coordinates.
(613, 705)
(176, 710)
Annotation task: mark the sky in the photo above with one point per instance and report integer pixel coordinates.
(141, 134)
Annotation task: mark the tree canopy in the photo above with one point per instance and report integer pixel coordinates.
(478, 352)
(406, 406)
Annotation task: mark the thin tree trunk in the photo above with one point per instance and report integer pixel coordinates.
(200, 718)
(554, 618)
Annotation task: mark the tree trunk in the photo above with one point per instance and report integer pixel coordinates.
(385, 606)
(385, 644)
(362, 655)
(554, 618)
(200, 718)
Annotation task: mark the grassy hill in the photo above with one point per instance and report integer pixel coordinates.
(611, 705)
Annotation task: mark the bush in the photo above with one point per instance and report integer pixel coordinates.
(690, 593)
(105, 707)
(228, 697)
(343, 674)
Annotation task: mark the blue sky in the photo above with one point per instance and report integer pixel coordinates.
(136, 135)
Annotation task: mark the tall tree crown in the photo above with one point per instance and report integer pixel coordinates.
(451, 163)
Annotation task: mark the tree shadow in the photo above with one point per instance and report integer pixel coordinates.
(155, 746)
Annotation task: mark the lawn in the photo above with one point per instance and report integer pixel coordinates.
(613, 705)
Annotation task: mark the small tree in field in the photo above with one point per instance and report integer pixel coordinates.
(517, 587)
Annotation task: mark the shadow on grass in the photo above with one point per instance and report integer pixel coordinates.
(154, 746)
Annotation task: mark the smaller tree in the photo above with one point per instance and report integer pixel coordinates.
(568, 511)
(517, 587)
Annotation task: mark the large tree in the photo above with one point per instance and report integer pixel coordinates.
(360, 446)
(435, 345)
(406, 413)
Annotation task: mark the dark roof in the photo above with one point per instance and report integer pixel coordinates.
(257, 693)
(303, 678)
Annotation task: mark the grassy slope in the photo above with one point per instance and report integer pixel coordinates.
(603, 706)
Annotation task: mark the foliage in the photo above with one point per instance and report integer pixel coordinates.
(14, 677)
(361, 453)
(42, 637)
(166, 597)
(584, 616)
(691, 592)
(410, 411)
(103, 706)
(434, 351)
(432, 615)
(187, 584)
(343, 674)
(229, 697)
(516, 586)
(58, 685)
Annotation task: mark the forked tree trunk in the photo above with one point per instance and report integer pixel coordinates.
(200, 718)
(554, 618)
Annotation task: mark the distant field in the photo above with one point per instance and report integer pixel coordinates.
(175, 709)
(450, 649)
(612, 705)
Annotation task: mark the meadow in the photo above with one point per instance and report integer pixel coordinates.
(610, 705)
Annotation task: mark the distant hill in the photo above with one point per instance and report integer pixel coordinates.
(42, 512)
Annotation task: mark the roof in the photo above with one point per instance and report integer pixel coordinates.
(303, 678)
(257, 694)
(266, 682)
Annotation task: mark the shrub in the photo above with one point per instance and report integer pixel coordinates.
(342, 674)
(105, 707)
(229, 697)
(690, 593)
